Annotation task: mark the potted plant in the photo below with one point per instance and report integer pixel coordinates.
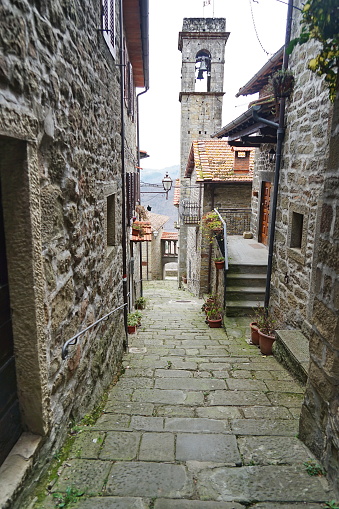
(266, 326)
(219, 262)
(138, 315)
(214, 317)
(212, 225)
(140, 303)
(132, 322)
(282, 82)
(254, 333)
(137, 229)
(184, 278)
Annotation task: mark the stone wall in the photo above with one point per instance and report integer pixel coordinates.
(319, 422)
(304, 162)
(60, 99)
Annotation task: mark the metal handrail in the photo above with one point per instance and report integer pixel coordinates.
(73, 340)
(225, 238)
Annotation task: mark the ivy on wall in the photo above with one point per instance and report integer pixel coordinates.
(320, 20)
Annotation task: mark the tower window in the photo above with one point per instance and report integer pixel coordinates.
(110, 220)
(297, 230)
(203, 71)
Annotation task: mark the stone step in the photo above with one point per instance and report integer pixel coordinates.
(291, 349)
(249, 279)
(247, 268)
(242, 307)
(236, 293)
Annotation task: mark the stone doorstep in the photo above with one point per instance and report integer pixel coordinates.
(17, 466)
(291, 349)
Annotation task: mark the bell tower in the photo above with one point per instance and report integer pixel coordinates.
(202, 44)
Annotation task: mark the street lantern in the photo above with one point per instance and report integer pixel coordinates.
(167, 184)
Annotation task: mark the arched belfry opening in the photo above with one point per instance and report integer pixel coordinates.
(203, 71)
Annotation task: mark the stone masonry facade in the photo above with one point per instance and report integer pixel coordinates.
(304, 162)
(60, 139)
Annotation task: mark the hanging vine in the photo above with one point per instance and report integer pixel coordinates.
(320, 20)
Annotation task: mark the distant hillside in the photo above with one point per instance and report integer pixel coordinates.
(158, 202)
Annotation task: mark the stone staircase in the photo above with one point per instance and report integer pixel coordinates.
(245, 288)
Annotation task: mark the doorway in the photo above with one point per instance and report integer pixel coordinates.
(10, 420)
(265, 212)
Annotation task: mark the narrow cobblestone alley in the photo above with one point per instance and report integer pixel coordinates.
(199, 419)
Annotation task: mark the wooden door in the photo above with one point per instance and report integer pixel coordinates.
(10, 423)
(265, 212)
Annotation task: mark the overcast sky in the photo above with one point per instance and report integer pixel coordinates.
(244, 56)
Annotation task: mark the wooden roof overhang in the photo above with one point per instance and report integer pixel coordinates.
(247, 131)
(260, 79)
(136, 21)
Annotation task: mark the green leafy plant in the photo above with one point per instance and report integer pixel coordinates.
(282, 82)
(332, 504)
(214, 313)
(265, 322)
(219, 259)
(138, 228)
(211, 223)
(140, 303)
(132, 319)
(138, 315)
(313, 468)
(69, 497)
(320, 21)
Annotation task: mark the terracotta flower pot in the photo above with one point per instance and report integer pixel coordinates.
(131, 329)
(254, 334)
(220, 265)
(214, 324)
(265, 343)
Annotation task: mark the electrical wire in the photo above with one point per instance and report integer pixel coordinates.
(256, 32)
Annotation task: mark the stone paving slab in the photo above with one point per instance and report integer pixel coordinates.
(113, 503)
(280, 427)
(130, 407)
(215, 448)
(140, 422)
(197, 425)
(88, 476)
(145, 479)
(238, 398)
(255, 484)
(120, 446)
(266, 412)
(174, 411)
(270, 450)
(87, 445)
(219, 412)
(194, 504)
(157, 447)
(168, 396)
(193, 384)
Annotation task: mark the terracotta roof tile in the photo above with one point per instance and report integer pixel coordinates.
(169, 236)
(213, 160)
(157, 220)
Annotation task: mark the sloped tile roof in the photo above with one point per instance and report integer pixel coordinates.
(214, 161)
(169, 236)
(157, 220)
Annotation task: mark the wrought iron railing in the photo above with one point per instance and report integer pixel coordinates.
(73, 341)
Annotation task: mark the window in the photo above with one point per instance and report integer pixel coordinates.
(296, 230)
(108, 24)
(132, 186)
(110, 220)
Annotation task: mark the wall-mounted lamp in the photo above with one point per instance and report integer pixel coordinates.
(166, 184)
(271, 155)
